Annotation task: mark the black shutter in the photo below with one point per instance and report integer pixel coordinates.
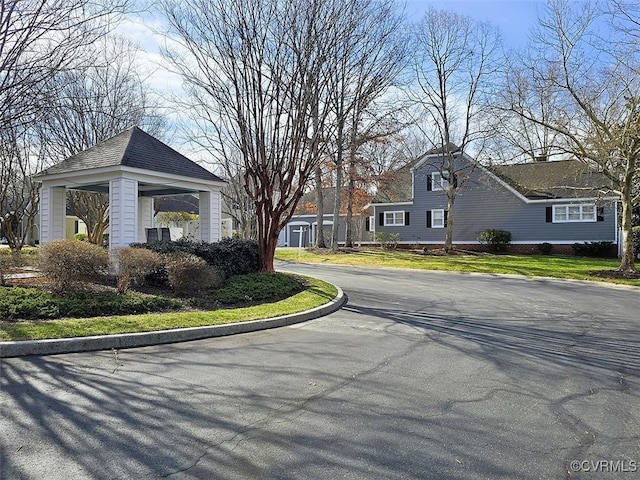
(549, 214)
(367, 224)
(446, 214)
(600, 216)
(406, 218)
(381, 219)
(455, 181)
(429, 183)
(428, 218)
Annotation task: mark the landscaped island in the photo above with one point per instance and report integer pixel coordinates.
(151, 291)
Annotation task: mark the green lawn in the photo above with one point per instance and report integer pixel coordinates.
(531, 265)
(317, 294)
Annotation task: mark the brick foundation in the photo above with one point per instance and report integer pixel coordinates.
(530, 249)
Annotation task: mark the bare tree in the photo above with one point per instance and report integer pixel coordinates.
(514, 137)
(38, 39)
(92, 104)
(255, 75)
(374, 125)
(456, 59)
(595, 83)
(370, 55)
(22, 155)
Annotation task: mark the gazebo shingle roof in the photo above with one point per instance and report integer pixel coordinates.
(132, 148)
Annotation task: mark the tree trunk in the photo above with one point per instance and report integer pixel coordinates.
(320, 213)
(267, 250)
(267, 239)
(349, 220)
(627, 262)
(448, 239)
(451, 199)
(336, 203)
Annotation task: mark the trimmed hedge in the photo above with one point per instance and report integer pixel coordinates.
(189, 274)
(545, 248)
(231, 255)
(68, 262)
(496, 240)
(636, 241)
(595, 249)
(134, 264)
(256, 287)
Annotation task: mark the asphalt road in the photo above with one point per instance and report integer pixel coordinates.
(422, 375)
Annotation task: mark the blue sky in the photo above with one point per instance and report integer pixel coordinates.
(514, 17)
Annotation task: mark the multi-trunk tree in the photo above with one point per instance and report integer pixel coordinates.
(255, 73)
(592, 84)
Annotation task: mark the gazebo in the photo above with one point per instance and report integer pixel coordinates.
(132, 167)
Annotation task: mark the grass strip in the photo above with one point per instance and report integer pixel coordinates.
(317, 294)
(557, 266)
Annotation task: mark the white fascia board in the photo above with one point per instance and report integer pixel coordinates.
(574, 200)
(313, 215)
(102, 175)
(78, 178)
(177, 180)
(393, 204)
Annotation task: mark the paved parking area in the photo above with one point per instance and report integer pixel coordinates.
(422, 375)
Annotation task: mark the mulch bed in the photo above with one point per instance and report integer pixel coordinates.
(615, 274)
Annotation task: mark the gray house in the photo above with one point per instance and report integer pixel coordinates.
(559, 202)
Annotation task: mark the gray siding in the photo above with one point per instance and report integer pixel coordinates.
(484, 203)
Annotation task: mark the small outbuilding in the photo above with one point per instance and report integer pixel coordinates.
(132, 167)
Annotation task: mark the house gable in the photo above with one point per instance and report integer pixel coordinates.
(532, 206)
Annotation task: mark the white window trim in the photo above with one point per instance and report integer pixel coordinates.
(394, 212)
(433, 225)
(581, 219)
(438, 186)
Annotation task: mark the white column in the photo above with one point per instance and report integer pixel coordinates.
(145, 217)
(123, 212)
(210, 218)
(53, 210)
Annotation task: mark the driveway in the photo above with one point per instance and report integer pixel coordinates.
(422, 375)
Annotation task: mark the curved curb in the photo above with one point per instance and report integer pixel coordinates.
(144, 339)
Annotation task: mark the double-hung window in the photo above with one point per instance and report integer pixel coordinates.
(394, 219)
(437, 218)
(438, 182)
(574, 213)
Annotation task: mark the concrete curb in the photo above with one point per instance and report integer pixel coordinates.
(143, 339)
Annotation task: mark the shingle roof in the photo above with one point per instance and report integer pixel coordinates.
(132, 148)
(395, 185)
(449, 148)
(557, 179)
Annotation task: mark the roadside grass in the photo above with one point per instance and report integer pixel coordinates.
(558, 266)
(317, 293)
